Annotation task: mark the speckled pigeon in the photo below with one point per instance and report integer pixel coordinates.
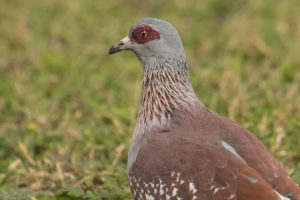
(180, 149)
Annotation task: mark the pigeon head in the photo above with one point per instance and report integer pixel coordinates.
(153, 41)
(166, 85)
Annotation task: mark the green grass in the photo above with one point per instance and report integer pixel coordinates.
(68, 109)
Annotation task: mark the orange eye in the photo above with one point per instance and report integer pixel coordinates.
(144, 34)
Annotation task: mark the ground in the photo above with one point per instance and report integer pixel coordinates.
(68, 109)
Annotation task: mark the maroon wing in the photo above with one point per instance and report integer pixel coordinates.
(212, 158)
(172, 167)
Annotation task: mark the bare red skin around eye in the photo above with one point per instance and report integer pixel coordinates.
(151, 34)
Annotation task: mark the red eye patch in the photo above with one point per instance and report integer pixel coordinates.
(144, 33)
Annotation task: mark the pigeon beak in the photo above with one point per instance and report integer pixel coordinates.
(122, 45)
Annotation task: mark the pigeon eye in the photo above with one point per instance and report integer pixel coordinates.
(144, 34)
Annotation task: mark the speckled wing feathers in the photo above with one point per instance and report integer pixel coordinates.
(189, 162)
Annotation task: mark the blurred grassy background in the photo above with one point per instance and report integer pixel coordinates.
(68, 109)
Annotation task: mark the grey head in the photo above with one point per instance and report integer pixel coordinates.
(153, 41)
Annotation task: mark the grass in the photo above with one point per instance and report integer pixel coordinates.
(68, 109)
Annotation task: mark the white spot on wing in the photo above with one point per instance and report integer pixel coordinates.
(149, 197)
(140, 195)
(152, 185)
(192, 188)
(229, 148)
(216, 190)
(251, 179)
(178, 177)
(174, 192)
(219, 188)
(161, 191)
(168, 197)
(172, 173)
(282, 197)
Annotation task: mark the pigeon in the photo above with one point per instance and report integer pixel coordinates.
(182, 150)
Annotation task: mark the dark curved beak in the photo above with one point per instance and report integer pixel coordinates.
(122, 45)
